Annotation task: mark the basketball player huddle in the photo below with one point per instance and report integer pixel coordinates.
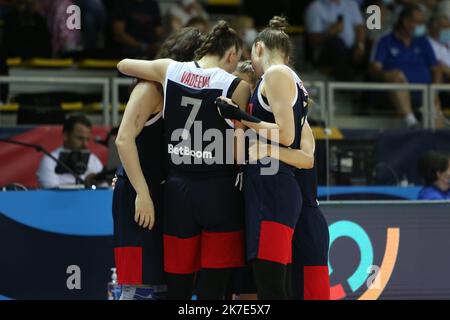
(217, 195)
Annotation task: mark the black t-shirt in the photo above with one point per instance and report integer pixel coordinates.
(141, 17)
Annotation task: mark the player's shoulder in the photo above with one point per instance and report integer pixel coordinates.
(224, 74)
(279, 74)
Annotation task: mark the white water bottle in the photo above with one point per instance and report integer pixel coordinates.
(114, 289)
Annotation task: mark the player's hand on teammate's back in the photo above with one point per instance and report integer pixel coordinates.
(145, 211)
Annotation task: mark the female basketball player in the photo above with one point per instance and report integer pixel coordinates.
(272, 201)
(203, 209)
(310, 274)
(138, 191)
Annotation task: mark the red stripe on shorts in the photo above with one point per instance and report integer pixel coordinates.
(129, 265)
(275, 242)
(182, 255)
(316, 283)
(223, 250)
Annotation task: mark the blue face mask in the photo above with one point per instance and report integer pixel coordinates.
(420, 30)
(444, 36)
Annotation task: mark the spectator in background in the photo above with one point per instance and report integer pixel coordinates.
(439, 37)
(77, 131)
(245, 27)
(25, 32)
(405, 56)
(65, 41)
(93, 19)
(183, 11)
(336, 35)
(435, 170)
(137, 27)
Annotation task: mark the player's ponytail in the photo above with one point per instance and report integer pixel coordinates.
(275, 37)
(221, 38)
(278, 23)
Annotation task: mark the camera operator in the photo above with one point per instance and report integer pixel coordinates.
(77, 132)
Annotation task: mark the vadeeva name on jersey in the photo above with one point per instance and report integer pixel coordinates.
(186, 151)
(195, 81)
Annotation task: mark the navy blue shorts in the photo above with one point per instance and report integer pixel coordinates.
(138, 252)
(311, 240)
(204, 221)
(272, 209)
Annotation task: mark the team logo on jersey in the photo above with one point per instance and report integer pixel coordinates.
(193, 145)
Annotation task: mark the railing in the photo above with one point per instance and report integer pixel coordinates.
(103, 82)
(115, 86)
(349, 86)
(325, 97)
(435, 89)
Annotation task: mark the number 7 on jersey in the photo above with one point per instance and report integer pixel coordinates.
(196, 104)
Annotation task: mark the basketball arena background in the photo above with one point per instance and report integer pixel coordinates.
(384, 243)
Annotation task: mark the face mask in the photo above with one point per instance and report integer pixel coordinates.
(420, 30)
(444, 36)
(250, 36)
(387, 2)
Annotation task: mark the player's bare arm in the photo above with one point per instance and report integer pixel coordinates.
(145, 100)
(147, 70)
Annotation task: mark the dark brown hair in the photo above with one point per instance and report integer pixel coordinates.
(73, 120)
(275, 36)
(407, 12)
(219, 40)
(181, 46)
(432, 163)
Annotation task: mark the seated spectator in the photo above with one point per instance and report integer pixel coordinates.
(65, 41)
(93, 20)
(336, 35)
(435, 170)
(245, 27)
(77, 132)
(405, 56)
(439, 37)
(137, 27)
(183, 11)
(25, 32)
